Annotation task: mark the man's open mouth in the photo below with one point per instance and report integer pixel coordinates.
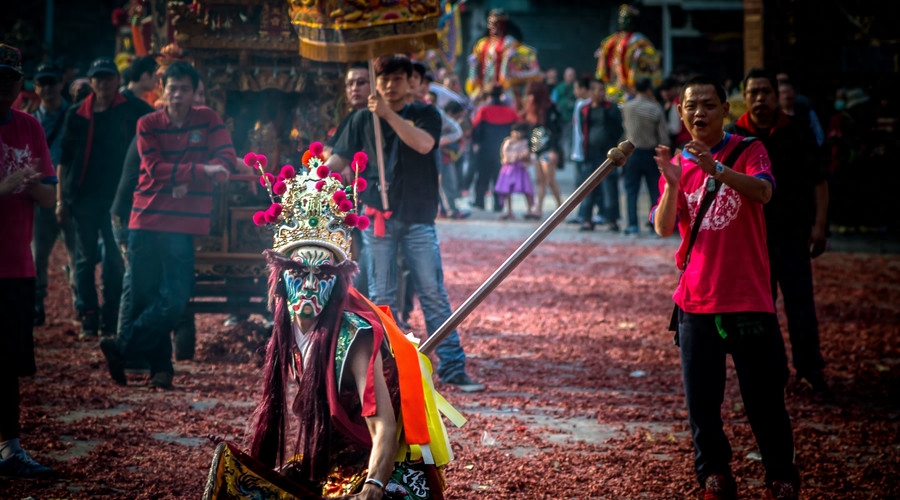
(700, 123)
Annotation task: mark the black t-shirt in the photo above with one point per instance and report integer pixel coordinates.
(413, 179)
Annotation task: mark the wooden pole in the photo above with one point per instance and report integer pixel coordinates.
(615, 158)
(379, 151)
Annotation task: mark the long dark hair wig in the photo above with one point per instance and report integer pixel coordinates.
(269, 424)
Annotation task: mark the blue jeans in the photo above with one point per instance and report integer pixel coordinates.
(640, 166)
(161, 282)
(791, 269)
(761, 365)
(46, 232)
(93, 223)
(422, 254)
(595, 197)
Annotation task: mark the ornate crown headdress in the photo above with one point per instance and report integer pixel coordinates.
(311, 206)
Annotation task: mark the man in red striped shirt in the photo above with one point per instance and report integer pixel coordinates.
(184, 151)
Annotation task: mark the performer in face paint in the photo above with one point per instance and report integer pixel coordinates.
(355, 372)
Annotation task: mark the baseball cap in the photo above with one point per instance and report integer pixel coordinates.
(46, 71)
(102, 65)
(10, 57)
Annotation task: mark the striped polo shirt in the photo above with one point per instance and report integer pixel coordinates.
(172, 156)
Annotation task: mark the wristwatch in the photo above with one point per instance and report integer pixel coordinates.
(719, 168)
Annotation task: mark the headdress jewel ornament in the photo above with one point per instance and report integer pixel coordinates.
(311, 206)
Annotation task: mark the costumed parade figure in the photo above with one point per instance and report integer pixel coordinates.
(625, 57)
(367, 417)
(500, 59)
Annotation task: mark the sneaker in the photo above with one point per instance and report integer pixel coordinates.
(459, 214)
(613, 227)
(719, 487)
(586, 226)
(631, 230)
(783, 490)
(464, 383)
(115, 362)
(598, 220)
(161, 380)
(815, 381)
(20, 465)
(89, 326)
(40, 316)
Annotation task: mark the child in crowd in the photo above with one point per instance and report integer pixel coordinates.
(514, 177)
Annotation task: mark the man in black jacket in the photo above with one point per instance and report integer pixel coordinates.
(795, 218)
(95, 138)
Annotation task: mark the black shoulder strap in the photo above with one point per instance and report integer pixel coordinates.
(711, 195)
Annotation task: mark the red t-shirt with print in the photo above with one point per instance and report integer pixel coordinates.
(729, 266)
(22, 144)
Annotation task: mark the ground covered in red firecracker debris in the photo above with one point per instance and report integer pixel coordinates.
(584, 394)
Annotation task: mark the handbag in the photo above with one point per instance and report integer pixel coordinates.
(540, 138)
(705, 203)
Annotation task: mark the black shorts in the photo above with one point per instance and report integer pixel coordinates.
(17, 326)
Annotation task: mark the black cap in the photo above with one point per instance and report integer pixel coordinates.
(47, 70)
(102, 65)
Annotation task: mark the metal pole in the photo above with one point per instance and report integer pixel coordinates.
(615, 158)
(379, 153)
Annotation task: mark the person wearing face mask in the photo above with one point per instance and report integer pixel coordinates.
(352, 369)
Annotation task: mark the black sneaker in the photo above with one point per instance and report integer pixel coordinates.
(815, 381)
(464, 383)
(161, 380)
(90, 326)
(114, 360)
(20, 465)
(40, 316)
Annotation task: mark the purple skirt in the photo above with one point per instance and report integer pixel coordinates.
(513, 178)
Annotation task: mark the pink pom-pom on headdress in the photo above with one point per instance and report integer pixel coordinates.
(337, 176)
(267, 176)
(273, 212)
(320, 185)
(361, 184)
(288, 171)
(345, 205)
(250, 160)
(316, 148)
(279, 188)
(323, 172)
(259, 218)
(339, 196)
(362, 223)
(263, 161)
(361, 157)
(351, 219)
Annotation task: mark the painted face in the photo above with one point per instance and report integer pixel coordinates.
(310, 286)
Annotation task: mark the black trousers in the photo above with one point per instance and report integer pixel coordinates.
(759, 358)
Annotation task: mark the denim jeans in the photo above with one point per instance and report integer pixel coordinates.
(121, 234)
(761, 366)
(641, 165)
(93, 224)
(161, 281)
(792, 270)
(422, 254)
(46, 232)
(595, 197)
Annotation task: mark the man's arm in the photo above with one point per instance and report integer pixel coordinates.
(419, 140)
(382, 426)
(338, 163)
(221, 147)
(817, 236)
(755, 188)
(164, 174)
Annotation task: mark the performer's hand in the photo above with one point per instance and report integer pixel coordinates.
(369, 492)
(816, 242)
(379, 106)
(670, 171)
(32, 177)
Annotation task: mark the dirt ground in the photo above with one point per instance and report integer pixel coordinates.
(584, 394)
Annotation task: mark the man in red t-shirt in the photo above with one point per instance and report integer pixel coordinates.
(724, 295)
(26, 177)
